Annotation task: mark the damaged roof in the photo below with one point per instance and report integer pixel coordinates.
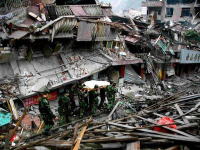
(56, 11)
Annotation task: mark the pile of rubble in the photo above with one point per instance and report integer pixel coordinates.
(171, 121)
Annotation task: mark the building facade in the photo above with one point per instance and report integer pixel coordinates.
(172, 10)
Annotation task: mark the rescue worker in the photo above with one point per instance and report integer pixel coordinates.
(95, 99)
(86, 97)
(114, 91)
(46, 113)
(109, 91)
(102, 95)
(90, 93)
(64, 107)
(72, 91)
(82, 103)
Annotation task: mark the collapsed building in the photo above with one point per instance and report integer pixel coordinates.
(56, 43)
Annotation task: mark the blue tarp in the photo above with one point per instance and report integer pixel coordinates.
(5, 117)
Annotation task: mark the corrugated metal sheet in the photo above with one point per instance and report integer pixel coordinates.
(93, 10)
(78, 10)
(131, 76)
(11, 4)
(63, 11)
(63, 26)
(56, 11)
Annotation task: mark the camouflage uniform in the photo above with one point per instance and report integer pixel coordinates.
(63, 109)
(95, 100)
(90, 100)
(114, 91)
(72, 91)
(103, 96)
(109, 91)
(83, 105)
(86, 98)
(46, 114)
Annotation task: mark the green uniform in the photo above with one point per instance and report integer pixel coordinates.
(83, 105)
(46, 114)
(95, 101)
(109, 90)
(114, 91)
(63, 109)
(71, 96)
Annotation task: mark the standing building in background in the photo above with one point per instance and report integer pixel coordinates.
(172, 10)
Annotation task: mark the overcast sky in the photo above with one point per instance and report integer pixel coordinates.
(124, 4)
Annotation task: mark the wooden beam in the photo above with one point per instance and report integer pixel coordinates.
(81, 136)
(113, 110)
(12, 132)
(172, 137)
(174, 130)
(187, 126)
(74, 137)
(181, 113)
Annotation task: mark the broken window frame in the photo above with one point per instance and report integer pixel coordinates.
(185, 12)
(173, 2)
(156, 10)
(169, 10)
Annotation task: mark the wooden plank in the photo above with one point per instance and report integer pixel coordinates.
(36, 142)
(113, 110)
(12, 132)
(81, 136)
(174, 130)
(40, 128)
(74, 137)
(159, 115)
(120, 125)
(187, 126)
(172, 137)
(181, 113)
(70, 132)
(136, 124)
(6, 146)
(191, 110)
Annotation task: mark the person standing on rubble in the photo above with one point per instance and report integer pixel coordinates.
(72, 91)
(46, 113)
(114, 91)
(64, 107)
(102, 95)
(109, 91)
(95, 99)
(86, 96)
(82, 103)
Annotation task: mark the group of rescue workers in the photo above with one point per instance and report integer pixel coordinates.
(88, 101)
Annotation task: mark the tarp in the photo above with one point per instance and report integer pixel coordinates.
(5, 117)
(92, 83)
